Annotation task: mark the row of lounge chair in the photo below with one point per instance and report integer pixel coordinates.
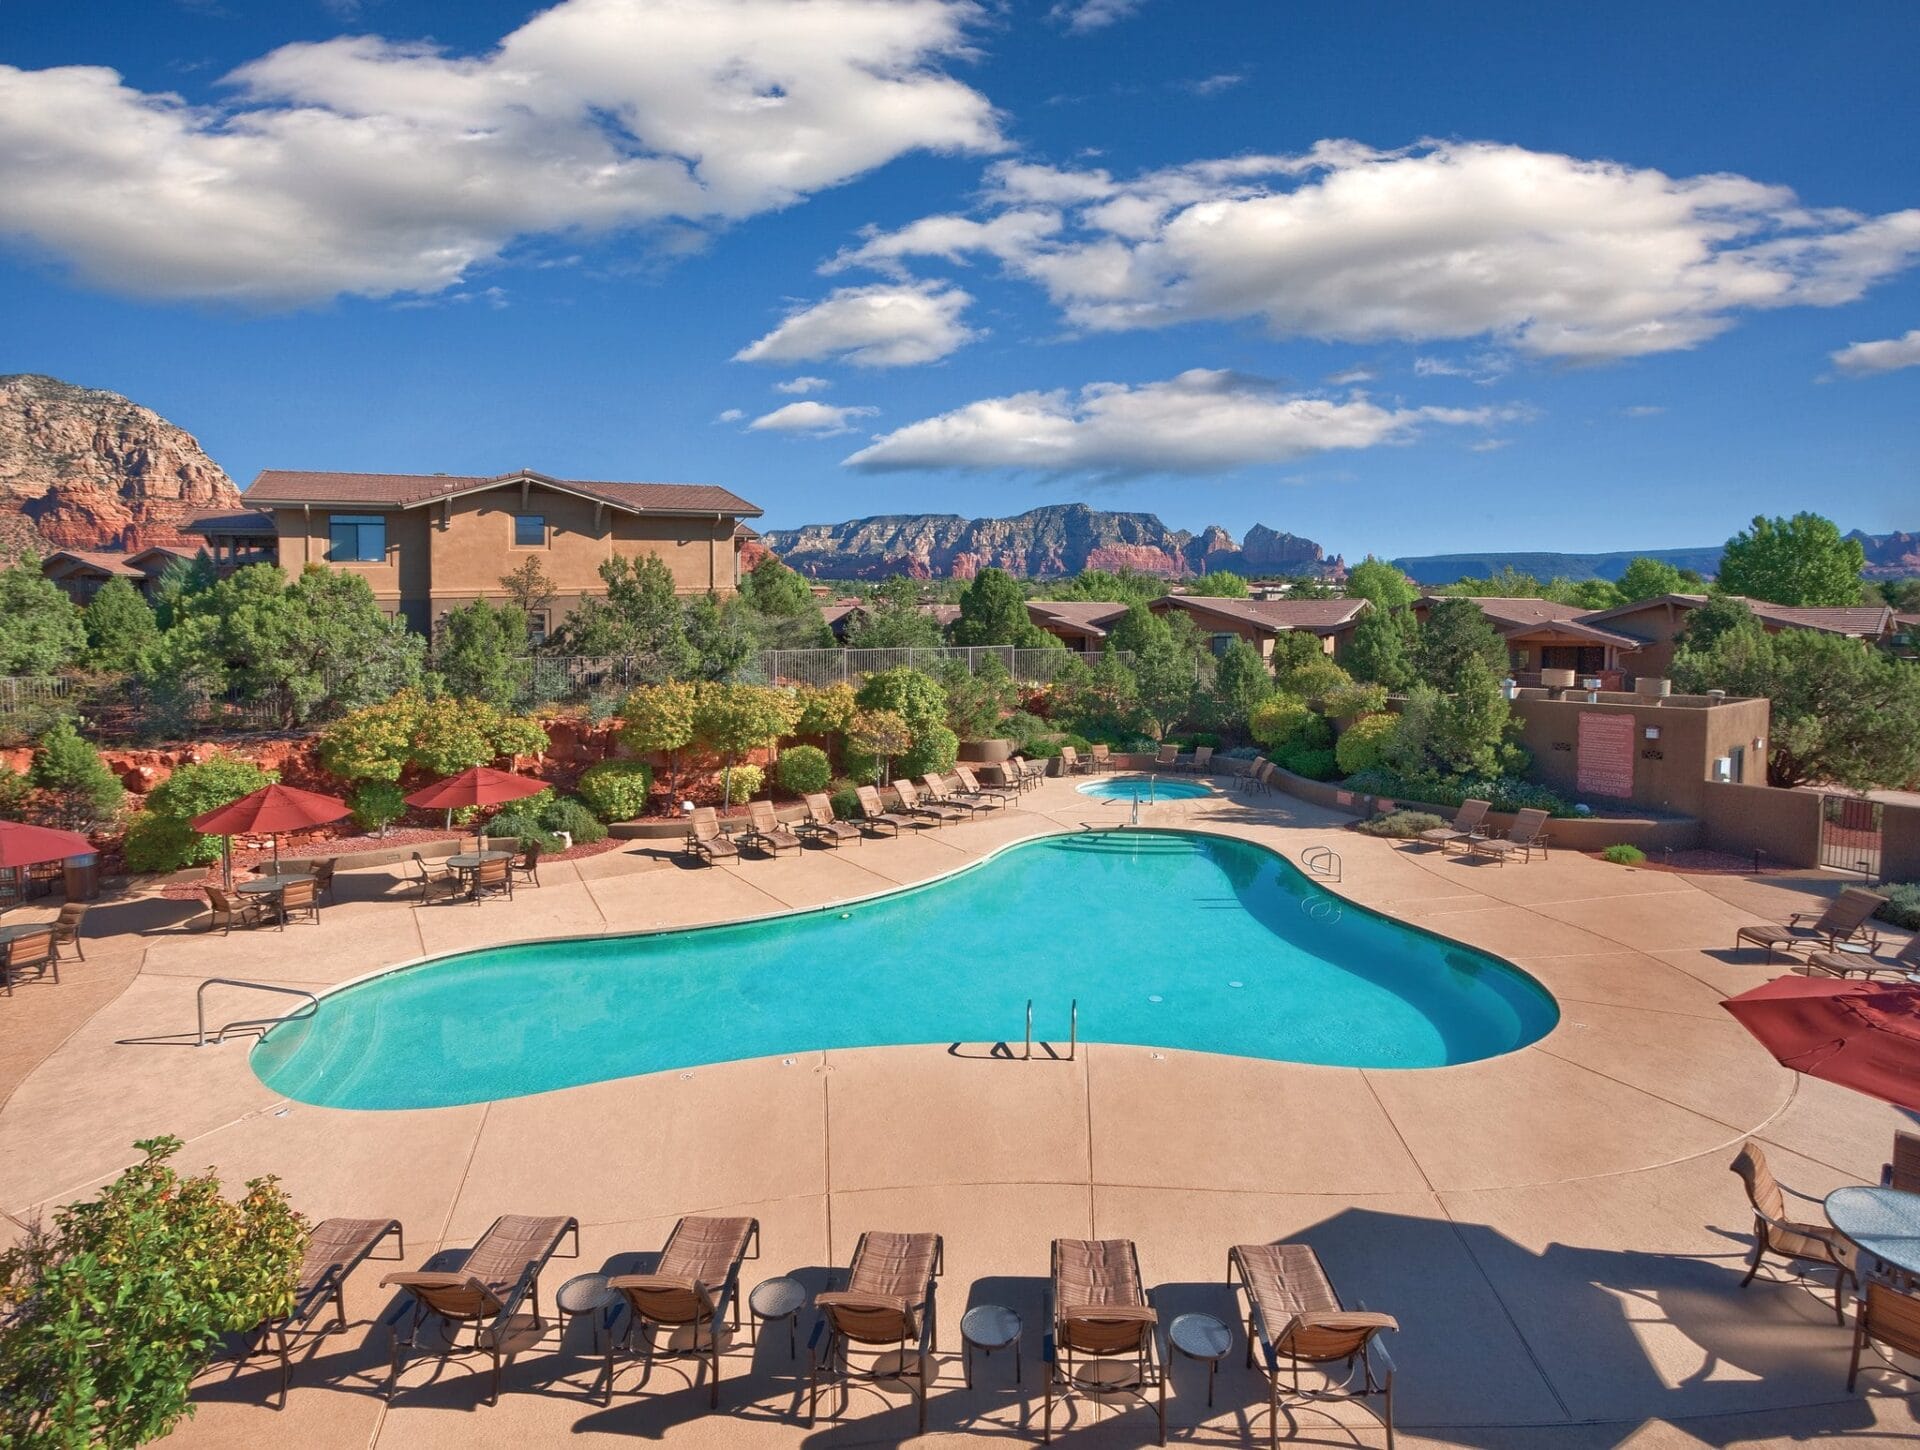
(936, 800)
(1468, 831)
(1167, 757)
(1098, 1309)
(1840, 936)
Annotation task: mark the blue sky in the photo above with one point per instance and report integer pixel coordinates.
(1400, 278)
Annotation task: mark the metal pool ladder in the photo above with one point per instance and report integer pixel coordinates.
(1321, 861)
(200, 1007)
(1073, 1031)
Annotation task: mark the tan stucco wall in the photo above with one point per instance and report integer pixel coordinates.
(1785, 824)
(1900, 843)
(1670, 773)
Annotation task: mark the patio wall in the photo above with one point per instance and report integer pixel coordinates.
(1899, 843)
(1785, 824)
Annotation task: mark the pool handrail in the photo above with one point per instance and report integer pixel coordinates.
(200, 1007)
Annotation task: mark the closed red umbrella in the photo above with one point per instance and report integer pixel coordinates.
(269, 811)
(1862, 1035)
(480, 786)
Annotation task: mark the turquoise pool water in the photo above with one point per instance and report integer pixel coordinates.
(1144, 788)
(1167, 939)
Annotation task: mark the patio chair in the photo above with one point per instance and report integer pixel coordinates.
(1072, 764)
(822, 825)
(323, 877)
(491, 878)
(765, 832)
(694, 1285)
(970, 786)
(1775, 1233)
(501, 1272)
(1903, 1172)
(1024, 773)
(1102, 758)
(1464, 828)
(1902, 966)
(335, 1248)
(874, 814)
(526, 866)
(1256, 777)
(1844, 918)
(1887, 1315)
(297, 898)
(66, 927)
(889, 1300)
(1097, 1309)
(1296, 1316)
(911, 803)
(432, 883)
(942, 793)
(31, 951)
(1527, 835)
(226, 913)
(1166, 757)
(1200, 762)
(706, 840)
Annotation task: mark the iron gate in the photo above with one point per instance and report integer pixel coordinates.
(1850, 834)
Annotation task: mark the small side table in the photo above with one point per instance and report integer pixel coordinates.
(585, 1294)
(1201, 1336)
(987, 1327)
(780, 1298)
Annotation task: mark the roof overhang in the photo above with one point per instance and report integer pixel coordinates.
(505, 480)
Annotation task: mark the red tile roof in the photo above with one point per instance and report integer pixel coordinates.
(1310, 616)
(410, 490)
(1090, 616)
(1865, 621)
(106, 563)
(1506, 613)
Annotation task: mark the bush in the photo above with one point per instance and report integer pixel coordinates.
(1902, 906)
(1023, 728)
(744, 784)
(15, 792)
(190, 791)
(1195, 739)
(1361, 743)
(1313, 763)
(846, 805)
(1348, 701)
(523, 825)
(804, 769)
(1503, 792)
(82, 793)
(156, 842)
(1400, 825)
(617, 790)
(933, 752)
(1623, 855)
(573, 817)
(377, 804)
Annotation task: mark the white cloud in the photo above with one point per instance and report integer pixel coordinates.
(1489, 445)
(878, 327)
(731, 415)
(1009, 236)
(1350, 377)
(1215, 84)
(1643, 410)
(1546, 254)
(366, 166)
(1084, 16)
(1484, 367)
(1862, 359)
(802, 385)
(1200, 422)
(809, 417)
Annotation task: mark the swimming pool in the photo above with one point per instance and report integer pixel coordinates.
(1146, 789)
(1166, 938)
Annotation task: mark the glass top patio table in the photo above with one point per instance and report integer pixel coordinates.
(268, 885)
(1884, 1222)
(471, 860)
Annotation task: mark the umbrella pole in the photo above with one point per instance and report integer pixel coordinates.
(276, 853)
(226, 860)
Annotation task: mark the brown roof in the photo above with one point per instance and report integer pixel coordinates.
(247, 521)
(93, 559)
(170, 555)
(1505, 614)
(1090, 616)
(1868, 621)
(1310, 616)
(410, 490)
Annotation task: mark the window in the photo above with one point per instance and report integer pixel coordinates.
(537, 629)
(529, 531)
(356, 539)
(1221, 643)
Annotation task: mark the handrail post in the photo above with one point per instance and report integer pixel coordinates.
(1029, 1053)
(1073, 1031)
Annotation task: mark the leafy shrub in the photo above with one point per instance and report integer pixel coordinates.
(14, 794)
(81, 792)
(1313, 763)
(827, 710)
(377, 804)
(123, 1302)
(1503, 792)
(933, 752)
(190, 791)
(846, 805)
(1276, 720)
(617, 790)
(154, 842)
(522, 825)
(1623, 855)
(916, 697)
(1347, 701)
(1197, 738)
(1902, 906)
(1361, 743)
(573, 817)
(804, 769)
(1023, 728)
(744, 784)
(1043, 749)
(1400, 825)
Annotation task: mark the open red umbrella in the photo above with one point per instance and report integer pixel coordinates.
(480, 786)
(30, 845)
(1862, 1035)
(268, 812)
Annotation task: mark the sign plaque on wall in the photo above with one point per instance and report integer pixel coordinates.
(1605, 763)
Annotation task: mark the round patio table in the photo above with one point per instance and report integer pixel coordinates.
(1201, 1336)
(472, 860)
(987, 1327)
(1884, 1222)
(8, 933)
(270, 885)
(586, 1294)
(774, 1299)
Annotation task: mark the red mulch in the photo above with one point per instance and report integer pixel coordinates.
(1696, 863)
(408, 837)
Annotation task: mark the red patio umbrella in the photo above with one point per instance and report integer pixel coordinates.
(269, 811)
(480, 786)
(1862, 1035)
(30, 845)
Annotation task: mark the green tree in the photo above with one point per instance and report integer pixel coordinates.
(731, 720)
(1167, 682)
(993, 610)
(893, 619)
(826, 710)
(481, 652)
(1471, 722)
(1455, 632)
(79, 790)
(1381, 584)
(160, 838)
(1722, 614)
(1381, 650)
(1648, 579)
(640, 625)
(1240, 683)
(777, 591)
(1295, 647)
(179, 582)
(1138, 629)
(1508, 583)
(16, 794)
(721, 636)
(528, 588)
(1587, 593)
(119, 624)
(917, 697)
(40, 628)
(874, 740)
(1101, 586)
(1314, 680)
(1219, 585)
(1802, 560)
(661, 720)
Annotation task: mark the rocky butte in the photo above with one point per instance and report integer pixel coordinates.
(82, 468)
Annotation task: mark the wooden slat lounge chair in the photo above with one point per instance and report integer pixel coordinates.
(933, 810)
(888, 1300)
(1902, 966)
(501, 1273)
(695, 1283)
(942, 792)
(66, 927)
(335, 1248)
(225, 912)
(1887, 1315)
(874, 815)
(431, 883)
(706, 840)
(971, 786)
(1102, 758)
(1527, 835)
(1297, 1319)
(822, 825)
(1097, 1308)
(764, 831)
(1072, 764)
(1845, 918)
(31, 951)
(1903, 1172)
(1775, 1233)
(1463, 830)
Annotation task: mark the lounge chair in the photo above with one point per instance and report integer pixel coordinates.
(1072, 764)
(1024, 773)
(297, 898)
(1844, 919)
(526, 866)
(434, 883)
(1200, 762)
(874, 814)
(693, 1286)
(889, 1300)
(335, 1248)
(1102, 758)
(942, 793)
(1256, 777)
(66, 927)
(934, 810)
(31, 951)
(1903, 1172)
(225, 913)
(1296, 1316)
(1527, 835)
(1463, 829)
(492, 878)
(1902, 966)
(1889, 1315)
(1166, 757)
(1097, 1307)
(765, 832)
(822, 825)
(970, 786)
(1775, 1233)
(501, 1272)
(706, 840)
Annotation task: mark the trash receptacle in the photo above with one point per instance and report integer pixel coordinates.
(83, 877)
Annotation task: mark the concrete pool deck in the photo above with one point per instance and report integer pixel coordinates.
(1555, 1229)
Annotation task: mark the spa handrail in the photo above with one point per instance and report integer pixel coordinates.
(200, 1006)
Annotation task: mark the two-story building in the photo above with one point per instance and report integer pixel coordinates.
(430, 543)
